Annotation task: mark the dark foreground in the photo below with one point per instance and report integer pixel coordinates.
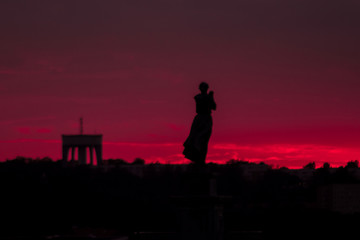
(47, 200)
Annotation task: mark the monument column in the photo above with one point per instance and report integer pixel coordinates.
(72, 153)
(91, 149)
(82, 155)
(98, 150)
(65, 153)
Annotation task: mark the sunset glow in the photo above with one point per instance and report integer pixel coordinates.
(285, 76)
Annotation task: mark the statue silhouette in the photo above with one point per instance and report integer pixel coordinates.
(196, 144)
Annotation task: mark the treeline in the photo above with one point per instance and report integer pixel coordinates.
(41, 197)
(140, 161)
(111, 161)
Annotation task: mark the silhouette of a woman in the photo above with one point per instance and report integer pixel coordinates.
(196, 144)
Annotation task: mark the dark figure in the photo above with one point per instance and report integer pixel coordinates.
(196, 144)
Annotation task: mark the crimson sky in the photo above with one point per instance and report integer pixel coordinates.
(286, 77)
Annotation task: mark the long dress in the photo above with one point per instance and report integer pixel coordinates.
(196, 145)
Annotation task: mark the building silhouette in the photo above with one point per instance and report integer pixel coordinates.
(82, 142)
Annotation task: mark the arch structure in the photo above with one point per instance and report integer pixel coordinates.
(82, 142)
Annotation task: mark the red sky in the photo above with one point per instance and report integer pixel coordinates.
(285, 76)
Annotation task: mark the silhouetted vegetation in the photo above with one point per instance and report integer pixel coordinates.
(138, 161)
(41, 197)
(353, 164)
(310, 165)
(326, 165)
(115, 162)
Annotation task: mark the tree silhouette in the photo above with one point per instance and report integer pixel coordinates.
(115, 162)
(353, 164)
(138, 161)
(310, 165)
(236, 161)
(326, 165)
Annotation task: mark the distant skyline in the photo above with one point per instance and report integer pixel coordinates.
(285, 76)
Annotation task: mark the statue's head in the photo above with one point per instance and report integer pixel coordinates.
(203, 87)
